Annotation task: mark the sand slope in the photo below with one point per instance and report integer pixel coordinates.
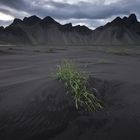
(35, 106)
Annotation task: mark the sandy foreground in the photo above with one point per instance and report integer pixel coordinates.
(35, 106)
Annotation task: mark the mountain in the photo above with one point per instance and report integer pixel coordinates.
(36, 31)
(120, 31)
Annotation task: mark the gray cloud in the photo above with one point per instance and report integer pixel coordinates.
(85, 9)
(5, 23)
(89, 13)
(15, 4)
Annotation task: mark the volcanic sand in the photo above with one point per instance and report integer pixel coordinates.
(34, 105)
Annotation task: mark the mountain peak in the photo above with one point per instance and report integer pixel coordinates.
(68, 24)
(49, 19)
(16, 22)
(129, 21)
(83, 29)
(66, 27)
(31, 20)
(117, 21)
(132, 18)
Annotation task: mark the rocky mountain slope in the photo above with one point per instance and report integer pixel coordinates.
(36, 31)
(120, 31)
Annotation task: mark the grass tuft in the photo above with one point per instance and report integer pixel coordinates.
(76, 81)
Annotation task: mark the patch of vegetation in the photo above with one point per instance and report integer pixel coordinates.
(50, 50)
(102, 61)
(75, 81)
(119, 51)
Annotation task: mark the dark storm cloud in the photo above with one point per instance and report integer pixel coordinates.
(91, 11)
(5, 11)
(15, 4)
(64, 11)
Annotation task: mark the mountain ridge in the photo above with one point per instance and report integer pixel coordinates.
(35, 31)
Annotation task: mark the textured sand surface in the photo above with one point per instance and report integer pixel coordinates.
(35, 106)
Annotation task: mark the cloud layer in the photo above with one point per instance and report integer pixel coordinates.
(89, 12)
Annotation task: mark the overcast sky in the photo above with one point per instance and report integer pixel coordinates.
(92, 13)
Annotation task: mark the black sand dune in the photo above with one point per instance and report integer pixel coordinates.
(34, 106)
